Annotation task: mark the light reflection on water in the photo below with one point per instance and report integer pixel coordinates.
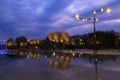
(64, 66)
(3, 52)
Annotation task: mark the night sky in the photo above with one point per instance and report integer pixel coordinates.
(37, 18)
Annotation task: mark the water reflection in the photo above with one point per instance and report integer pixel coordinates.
(97, 58)
(24, 54)
(59, 62)
(96, 70)
(62, 61)
(100, 58)
(34, 55)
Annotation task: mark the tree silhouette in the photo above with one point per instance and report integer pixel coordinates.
(21, 41)
(10, 43)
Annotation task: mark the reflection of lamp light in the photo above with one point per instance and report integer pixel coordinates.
(45, 56)
(68, 59)
(21, 53)
(57, 57)
(51, 62)
(65, 65)
(53, 53)
(96, 69)
(96, 59)
(73, 53)
(62, 58)
(38, 56)
(56, 64)
(80, 53)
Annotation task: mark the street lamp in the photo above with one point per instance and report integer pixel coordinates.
(93, 19)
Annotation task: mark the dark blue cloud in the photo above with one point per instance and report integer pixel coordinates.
(36, 18)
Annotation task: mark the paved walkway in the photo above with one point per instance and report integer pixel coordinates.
(88, 51)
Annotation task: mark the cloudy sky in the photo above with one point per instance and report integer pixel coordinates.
(36, 18)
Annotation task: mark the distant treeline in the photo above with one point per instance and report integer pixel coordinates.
(62, 40)
(102, 40)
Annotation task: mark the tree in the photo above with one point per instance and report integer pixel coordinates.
(10, 43)
(58, 38)
(21, 41)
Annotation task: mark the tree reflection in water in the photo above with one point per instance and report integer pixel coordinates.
(62, 61)
(96, 58)
(24, 54)
(59, 62)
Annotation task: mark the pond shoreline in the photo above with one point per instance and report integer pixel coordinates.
(78, 51)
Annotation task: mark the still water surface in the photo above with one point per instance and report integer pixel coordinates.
(37, 65)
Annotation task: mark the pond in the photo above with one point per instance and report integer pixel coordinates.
(44, 65)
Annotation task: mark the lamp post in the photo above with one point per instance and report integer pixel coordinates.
(93, 19)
